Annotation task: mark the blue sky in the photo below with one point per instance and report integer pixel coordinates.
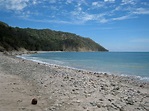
(118, 25)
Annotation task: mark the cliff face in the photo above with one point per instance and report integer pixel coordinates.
(43, 40)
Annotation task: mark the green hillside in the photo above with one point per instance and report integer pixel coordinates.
(14, 38)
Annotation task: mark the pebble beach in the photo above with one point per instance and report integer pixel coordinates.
(58, 88)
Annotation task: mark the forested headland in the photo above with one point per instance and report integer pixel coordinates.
(14, 38)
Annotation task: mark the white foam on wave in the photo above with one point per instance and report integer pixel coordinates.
(38, 60)
(62, 64)
(145, 79)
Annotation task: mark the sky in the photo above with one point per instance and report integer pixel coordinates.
(118, 25)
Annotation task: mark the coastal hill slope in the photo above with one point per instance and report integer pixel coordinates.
(15, 38)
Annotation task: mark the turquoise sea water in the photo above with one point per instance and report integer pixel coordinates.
(120, 63)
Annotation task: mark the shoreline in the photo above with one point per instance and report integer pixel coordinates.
(135, 77)
(65, 89)
(132, 77)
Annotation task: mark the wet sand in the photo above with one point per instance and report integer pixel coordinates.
(64, 89)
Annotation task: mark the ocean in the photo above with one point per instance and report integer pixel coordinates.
(119, 63)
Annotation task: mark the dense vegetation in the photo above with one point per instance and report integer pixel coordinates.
(44, 39)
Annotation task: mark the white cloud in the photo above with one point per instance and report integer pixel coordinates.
(122, 18)
(14, 4)
(141, 11)
(103, 20)
(79, 2)
(82, 17)
(81, 11)
(118, 8)
(87, 17)
(98, 4)
(125, 2)
(34, 2)
(69, 1)
(49, 21)
(95, 3)
(109, 0)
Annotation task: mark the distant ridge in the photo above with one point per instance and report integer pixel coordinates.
(15, 38)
